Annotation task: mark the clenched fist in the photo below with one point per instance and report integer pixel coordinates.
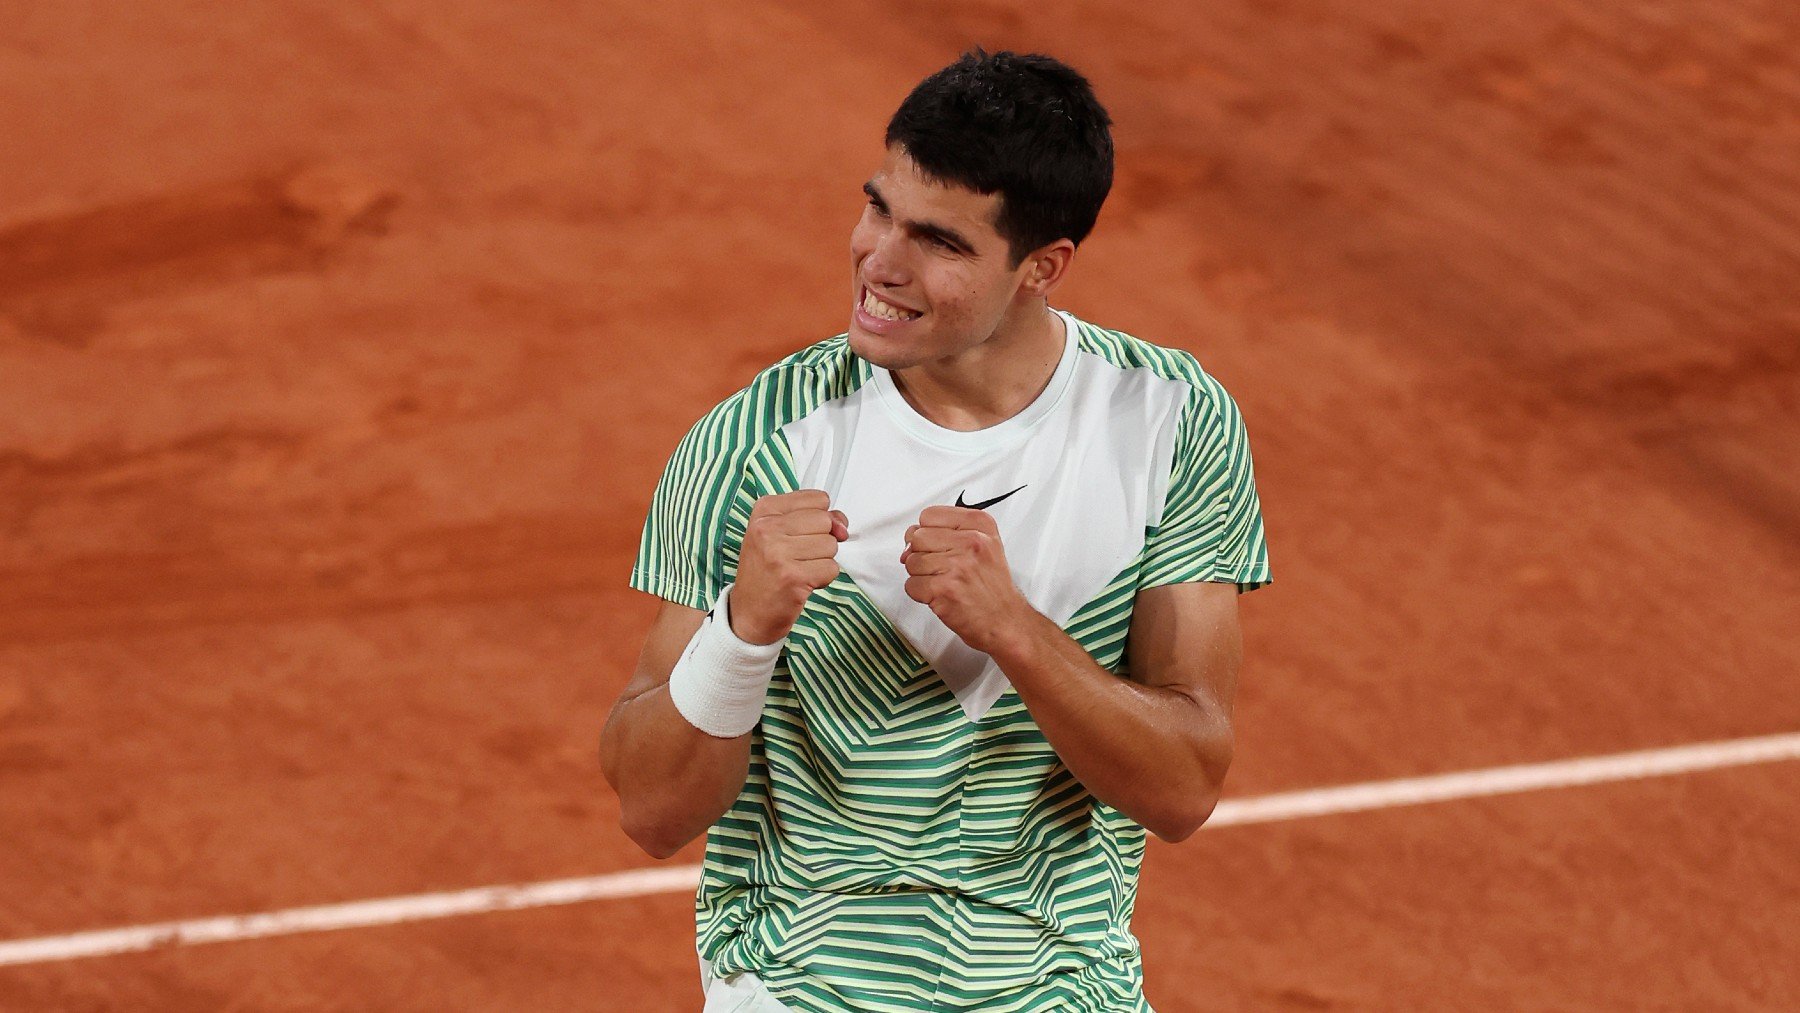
(957, 568)
(789, 551)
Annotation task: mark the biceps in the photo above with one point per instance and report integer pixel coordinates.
(671, 629)
(1186, 637)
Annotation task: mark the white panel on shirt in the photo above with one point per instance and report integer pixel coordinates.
(1092, 453)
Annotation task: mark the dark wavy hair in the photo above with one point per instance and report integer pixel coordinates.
(1026, 126)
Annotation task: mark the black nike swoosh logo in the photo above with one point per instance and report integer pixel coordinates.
(984, 504)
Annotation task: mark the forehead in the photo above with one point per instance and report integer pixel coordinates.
(913, 195)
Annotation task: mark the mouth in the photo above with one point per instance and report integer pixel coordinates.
(881, 316)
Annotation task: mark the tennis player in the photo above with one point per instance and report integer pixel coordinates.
(950, 614)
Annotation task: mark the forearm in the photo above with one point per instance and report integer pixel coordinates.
(1157, 755)
(676, 747)
(673, 780)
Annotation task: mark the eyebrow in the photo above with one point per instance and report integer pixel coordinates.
(947, 234)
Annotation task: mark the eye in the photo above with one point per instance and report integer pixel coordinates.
(877, 208)
(940, 243)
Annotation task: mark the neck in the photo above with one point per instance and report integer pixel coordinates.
(993, 381)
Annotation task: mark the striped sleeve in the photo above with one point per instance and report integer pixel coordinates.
(1212, 525)
(681, 553)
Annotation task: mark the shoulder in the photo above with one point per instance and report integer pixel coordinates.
(1205, 395)
(786, 390)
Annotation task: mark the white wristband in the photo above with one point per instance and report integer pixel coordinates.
(720, 681)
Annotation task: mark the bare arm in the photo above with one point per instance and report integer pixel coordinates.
(1155, 746)
(673, 779)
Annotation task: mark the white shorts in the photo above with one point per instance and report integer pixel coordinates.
(742, 992)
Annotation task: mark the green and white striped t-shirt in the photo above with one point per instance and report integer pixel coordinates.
(907, 839)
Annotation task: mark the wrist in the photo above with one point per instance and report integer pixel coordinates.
(748, 630)
(1018, 638)
(719, 683)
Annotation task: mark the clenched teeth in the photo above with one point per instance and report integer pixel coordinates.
(885, 311)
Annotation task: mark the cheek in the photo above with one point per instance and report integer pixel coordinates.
(953, 291)
(970, 297)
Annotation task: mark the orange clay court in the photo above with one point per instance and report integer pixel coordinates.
(341, 348)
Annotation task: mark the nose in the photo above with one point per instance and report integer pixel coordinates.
(885, 262)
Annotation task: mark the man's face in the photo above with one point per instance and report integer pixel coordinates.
(931, 254)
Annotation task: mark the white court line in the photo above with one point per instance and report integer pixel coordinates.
(1231, 812)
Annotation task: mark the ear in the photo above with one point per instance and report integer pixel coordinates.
(1044, 267)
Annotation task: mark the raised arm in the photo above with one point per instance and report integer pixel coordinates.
(674, 780)
(1154, 746)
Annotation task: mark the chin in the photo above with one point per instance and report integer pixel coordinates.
(868, 348)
